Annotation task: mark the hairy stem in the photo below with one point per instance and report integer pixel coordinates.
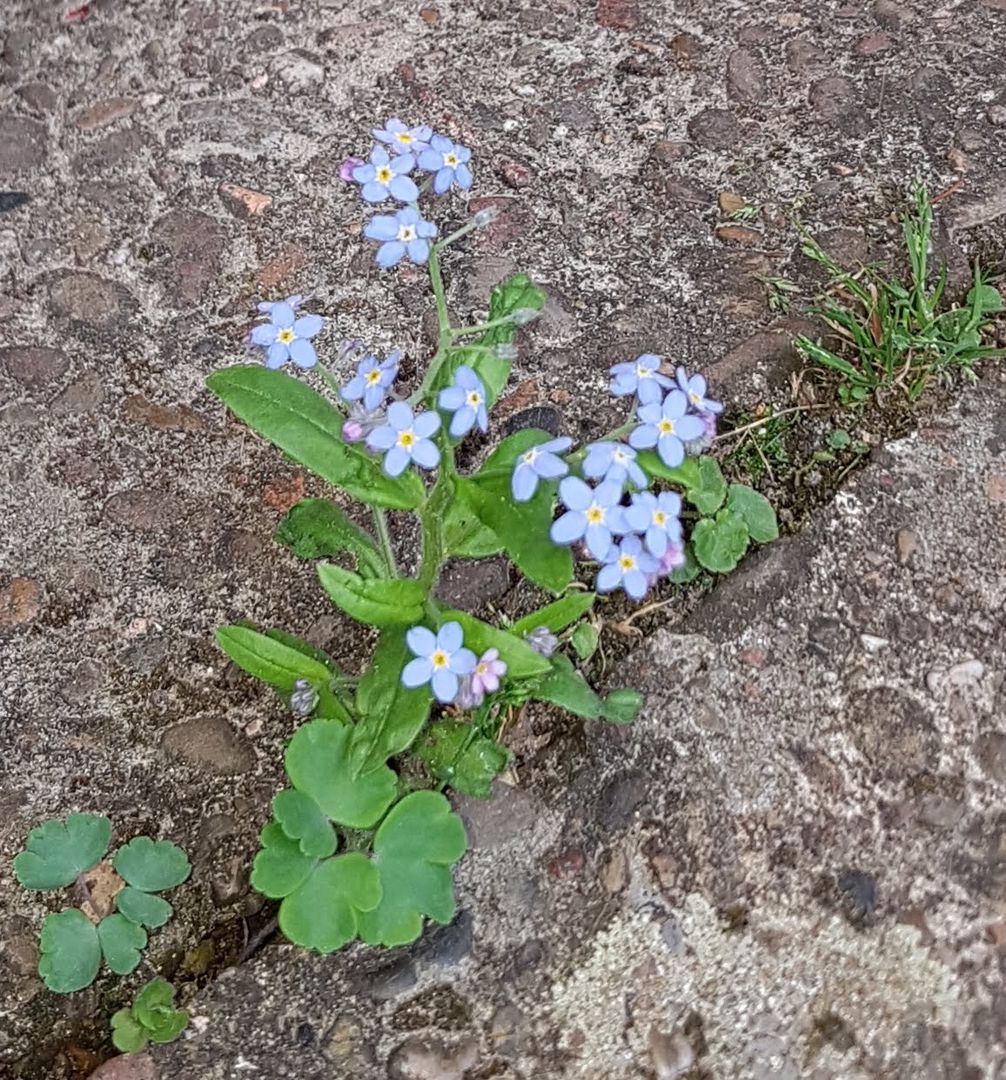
(431, 517)
(437, 284)
(384, 536)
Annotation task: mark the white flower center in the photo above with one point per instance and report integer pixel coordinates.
(286, 335)
(406, 233)
(621, 457)
(693, 397)
(374, 377)
(529, 457)
(439, 659)
(384, 174)
(643, 372)
(659, 518)
(450, 159)
(595, 514)
(474, 399)
(482, 669)
(404, 138)
(666, 427)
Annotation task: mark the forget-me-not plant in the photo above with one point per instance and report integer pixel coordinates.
(406, 438)
(466, 399)
(372, 381)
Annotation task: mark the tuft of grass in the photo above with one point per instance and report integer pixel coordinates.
(762, 450)
(893, 334)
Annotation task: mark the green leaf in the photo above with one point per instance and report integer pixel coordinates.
(584, 640)
(685, 475)
(170, 1027)
(324, 913)
(329, 706)
(318, 529)
(622, 706)
(307, 428)
(391, 715)
(70, 951)
(57, 851)
(459, 755)
(689, 570)
(985, 299)
(378, 602)
(121, 942)
(566, 687)
(128, 1035)
(557, 615)
(318, 763)
(465, 536)
(152, 1001)
(151, 866)
(301, 818)
(273, 661)
(280, 867)
(708, 494)
(839, 439)
(143, 908)
(756, 511)
(521, 660)
(720, 543)
(516, 292)
(414, 849)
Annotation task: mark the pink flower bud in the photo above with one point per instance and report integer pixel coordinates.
(353, 431)
(347, 167)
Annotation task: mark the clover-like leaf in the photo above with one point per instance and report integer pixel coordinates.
(756, 511)
(302, 819)
(128, 1035)
(143, 908)
(719, 543)
(57, 851)
(318, 764)
(414, 850)
(151, 865)
(280, 867)
(154, 1009)
(70, 951)
(324, 913)
(121, 940)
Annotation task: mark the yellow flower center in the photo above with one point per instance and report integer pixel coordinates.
(451, 160)
(482, 669)
(384, 174)
(595, 515)
(286, 335)
(406, 439)
(626, 562)
(666, 427)
(374, 376)
(659, 518)
(404, 138)
(439, 659)
(475, 399)
(406, 233)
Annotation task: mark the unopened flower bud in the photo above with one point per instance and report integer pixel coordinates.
(542, 640)
(505, 352)
(347, 167)
(485, 217)
(523, 315)
(303, 699)
(353, 431)
(709, 420)
(468, 697)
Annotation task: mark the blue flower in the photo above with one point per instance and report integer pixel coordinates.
(627, 566)
(694, 389)
(449, 160)
(285, 337)
(656, 518)
(385, 176)
(593, 514)
(440, 659)
(403, 232)
(666, 427)
(403, 139)
(640, 377)
(467, 400)
(372, 381)
(406, 438)
(613, 461)
(538, 463)
(266, 306)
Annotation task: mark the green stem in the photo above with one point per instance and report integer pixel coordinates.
(481, 328)
(384, 536)
(431, 517)
(457, 234)
(437, 284)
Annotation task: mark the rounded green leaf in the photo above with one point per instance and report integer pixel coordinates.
(584, 640)
(756, 511)
(170, 1027)
(127, 1035)
(318, 764)
(720, 543)
(143, 907)
(57, 851)
(414, 850)
(151, 866)
(708, 493)
(121, 941)
(621, 706)
(302, 819)
(280, 866)
(70, 951)
(323, 913)
(152, 1001)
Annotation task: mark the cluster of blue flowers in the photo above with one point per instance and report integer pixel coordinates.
(399, 152)
(455, 674)
(640, 542)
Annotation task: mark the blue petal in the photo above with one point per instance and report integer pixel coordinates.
(463, 661)
(445, 686)
(569, 528)
(549, 467)
(426, 423)
(635, 584)
(390, 254)
(354, 389)
(362, 174)
(671, 450)
(373, 192)
(648, 391)
(417, 672)
(382, 438)
(644, 436)
(396, 461)
(307, 326)
(463, 175)
(263, 335)
(426, 454)
(381, 227)
(302, 353)
(598, 539)
(421, 641)
(430, 160)
(373, 396)
(656, 540)
(452, 398)
(690, 427)
(575, 494)
(609, 577)
(400, 416)
(403, 188)
(282, 315)
(450, 637)
(445, 177)
(462, 422)
(277, 355)
(419, 250)
(523, 483)
(404, 163)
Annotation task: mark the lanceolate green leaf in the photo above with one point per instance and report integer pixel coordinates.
(391, 715)
(565, 686)
(57, 851)
(307, 428)
(414, 850)
(272, 661)
(465, 536)
(521, 660)
(318, 529)
(557, 615)
(377, 602)
(70, 951)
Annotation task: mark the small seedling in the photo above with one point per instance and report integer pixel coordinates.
(350, 850)
(761, 449)
(152, 1018)
(891, 334)
(117, 898)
